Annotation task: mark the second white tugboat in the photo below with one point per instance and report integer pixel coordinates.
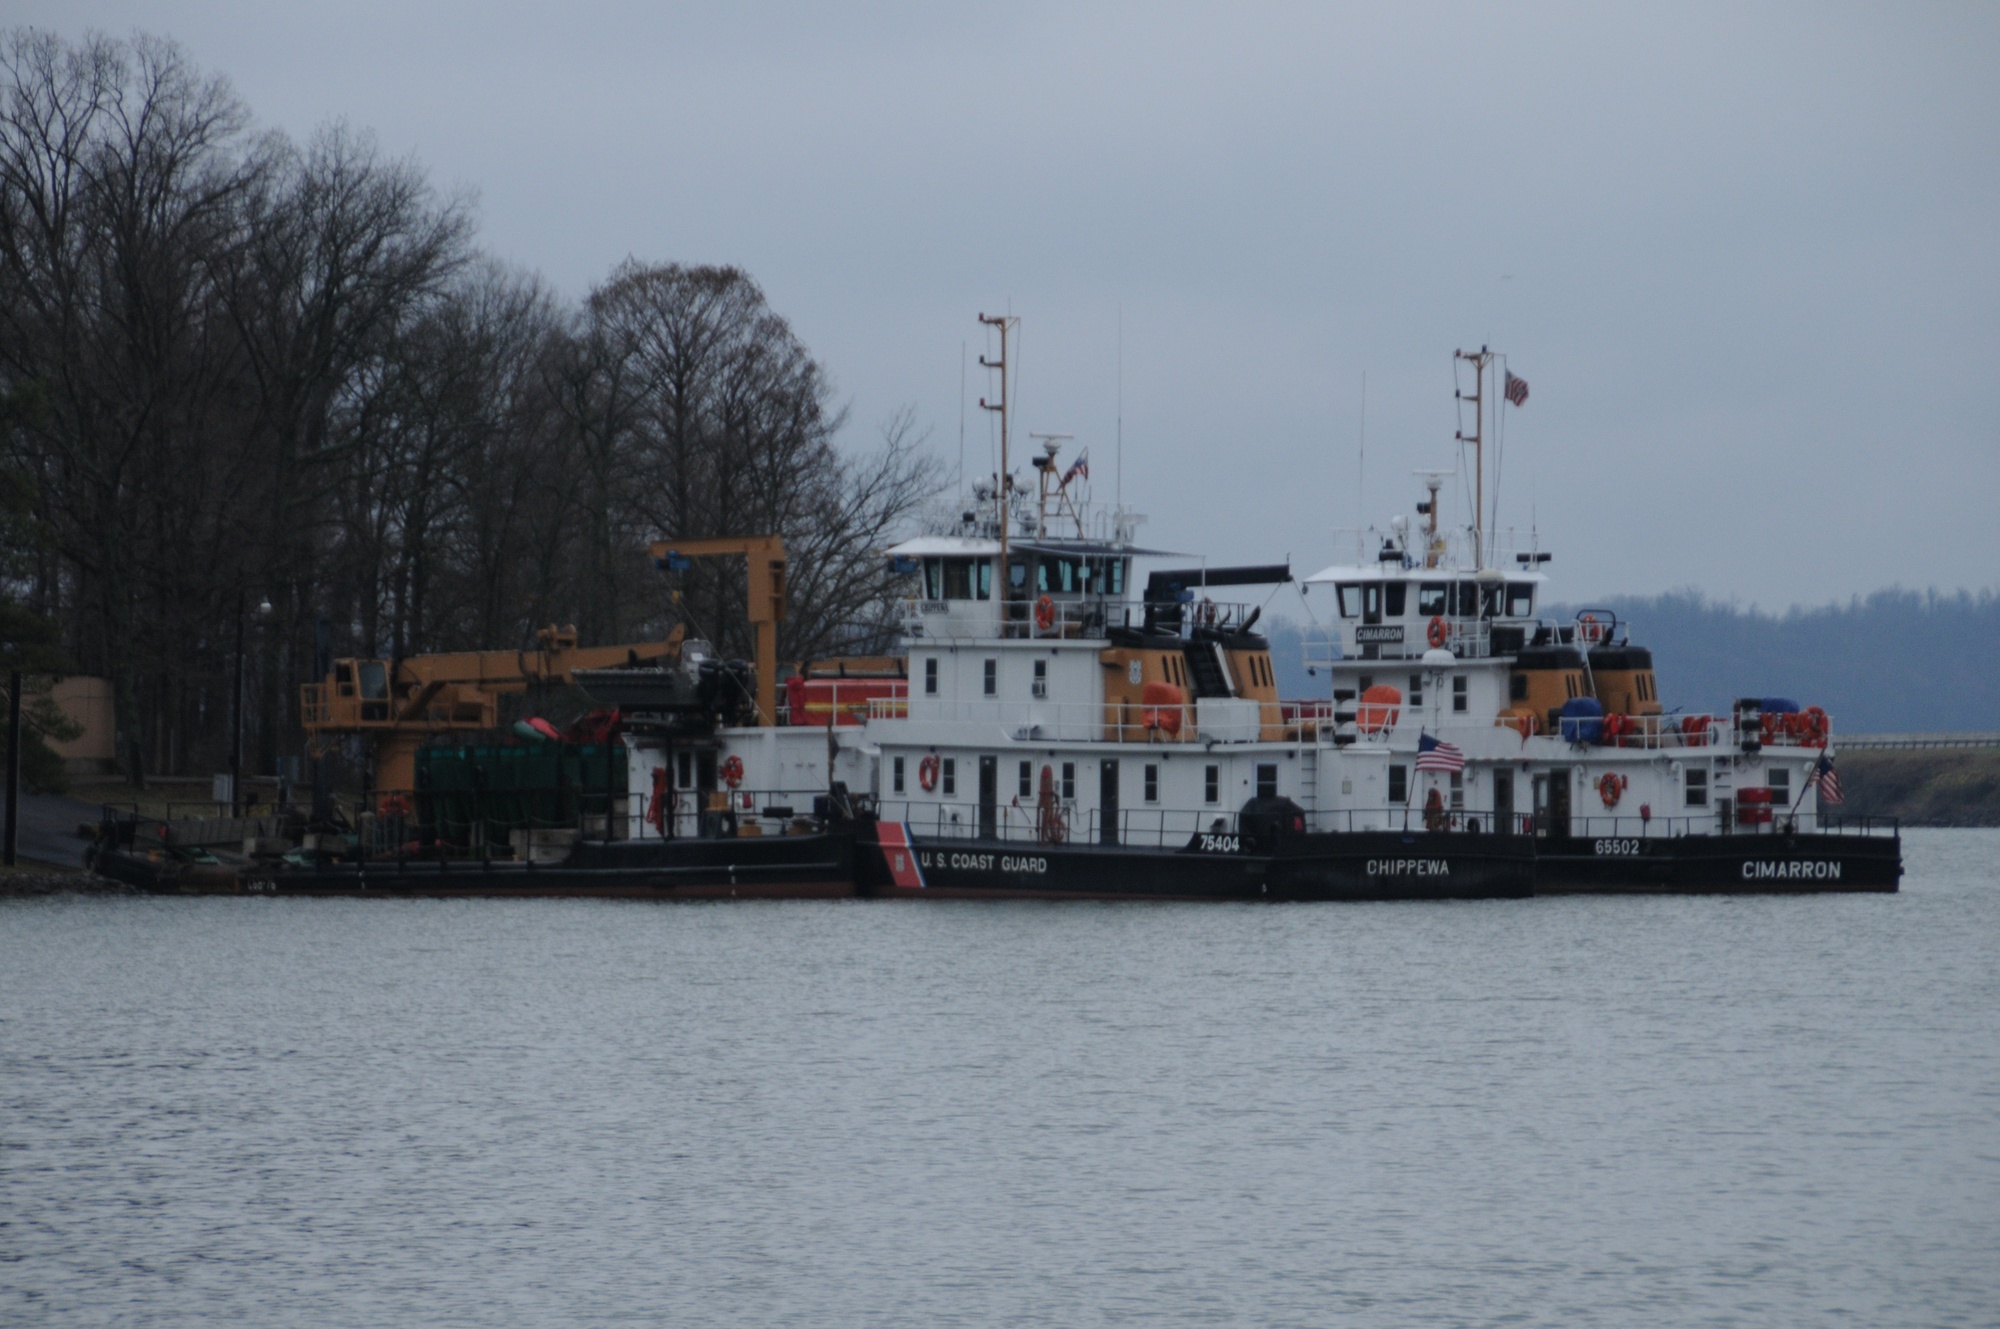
(1479, 713)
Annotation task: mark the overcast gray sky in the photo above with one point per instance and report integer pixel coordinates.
(1748, 257)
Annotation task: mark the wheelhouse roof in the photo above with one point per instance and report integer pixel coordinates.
(970, 546)
(1350, 572)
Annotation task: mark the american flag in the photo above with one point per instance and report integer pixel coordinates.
(1827, 781)
(1517, 389)
(1080, 467)
(1435, 756)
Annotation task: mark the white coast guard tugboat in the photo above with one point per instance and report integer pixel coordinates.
(1478, 712)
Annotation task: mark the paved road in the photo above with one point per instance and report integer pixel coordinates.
(48, 829)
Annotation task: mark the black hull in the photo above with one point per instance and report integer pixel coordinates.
(1719, 864)
(772, 867)
(1355, 866)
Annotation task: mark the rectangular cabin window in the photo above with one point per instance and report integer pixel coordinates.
(374, 681)
(1416, 689)
(1027, 779)
(1697, 788)
(1069, 782)
(1017, 573)
(1466, 603)
(1517, 688)
(992, 678)
(930, 676)
(1063, 576)
(1152, 783)
(949, 776)
(1041, 687)
(1458, 791)
(1431, 599)
(1399, 784)
(1520, 599)
(1394, 598)
(1458, 693)
(1211, 784)
(983, 580)
(933, 579)
(1350, 599)
(1780, 781)
(1267, 779)
(1491, 599)
(1365, 682)
(896, 776)
(958, 578)
(1371, 602)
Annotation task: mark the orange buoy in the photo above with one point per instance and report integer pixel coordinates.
(1437, 633)
(1045, 613)
(1380, 705)
(927, 772)
(731, 770)
(1164, 704)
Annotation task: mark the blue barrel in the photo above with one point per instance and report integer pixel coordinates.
(1582, 720)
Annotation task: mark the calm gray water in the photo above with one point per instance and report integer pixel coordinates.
(1746, 1111)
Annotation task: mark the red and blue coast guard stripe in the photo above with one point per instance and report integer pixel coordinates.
(899, 854)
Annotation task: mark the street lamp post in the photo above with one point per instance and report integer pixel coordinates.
(236, 719)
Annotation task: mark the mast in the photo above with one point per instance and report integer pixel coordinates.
(1004, 322)
(1480, 360)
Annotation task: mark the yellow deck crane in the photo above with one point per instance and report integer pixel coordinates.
(397, 704)
(765, 555)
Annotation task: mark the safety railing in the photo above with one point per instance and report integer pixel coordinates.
(1717, 821)
(1036, 617)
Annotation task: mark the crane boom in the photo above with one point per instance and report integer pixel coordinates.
(765, 555)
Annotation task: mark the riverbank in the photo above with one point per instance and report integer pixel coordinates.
(1923, 787)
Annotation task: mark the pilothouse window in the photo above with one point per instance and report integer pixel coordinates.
(1520, 599)
(1394, 596)
(967, 579)
(1431, 599)
(1350, 599)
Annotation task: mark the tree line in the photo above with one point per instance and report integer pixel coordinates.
(268, 386)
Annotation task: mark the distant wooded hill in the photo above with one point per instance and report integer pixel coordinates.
(1895, 662)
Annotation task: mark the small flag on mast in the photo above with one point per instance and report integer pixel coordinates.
(1081, 466)
(1826, 781)
(1516, 389)
(1433, 755)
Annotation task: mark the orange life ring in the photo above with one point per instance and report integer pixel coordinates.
(927, 772)
(393, 805)
(1437, 633)
(1045, 613)
(1590, 629)
(1611, 788)
(1816, 726)
(731, 770)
